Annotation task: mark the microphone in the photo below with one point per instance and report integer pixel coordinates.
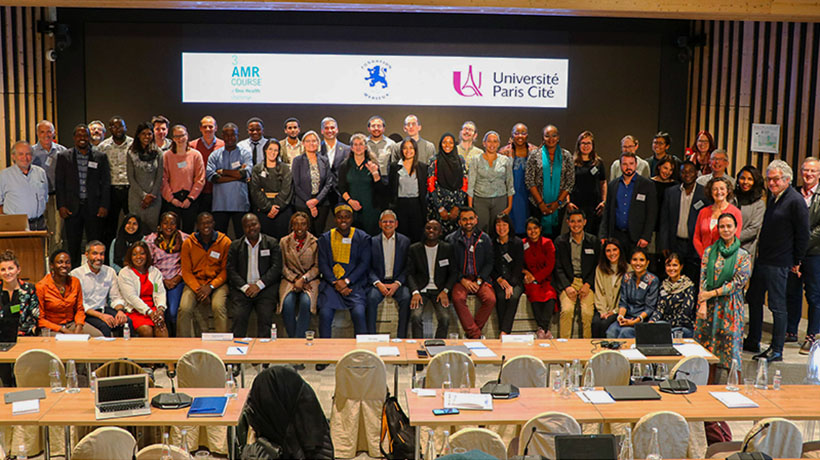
(500, 390)
(500, 369)
(532, 435)
(172, 400)
(756, 433)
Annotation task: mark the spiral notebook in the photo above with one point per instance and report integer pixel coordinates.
(208, 406)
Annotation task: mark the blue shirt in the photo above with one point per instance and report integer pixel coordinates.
(639, 297)
(623, 199)
(229, 196)
(24, 193)
(47, 160)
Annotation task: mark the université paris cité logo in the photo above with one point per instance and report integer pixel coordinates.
(376, 73)
(469, 86)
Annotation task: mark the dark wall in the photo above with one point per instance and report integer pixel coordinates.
(624, 74)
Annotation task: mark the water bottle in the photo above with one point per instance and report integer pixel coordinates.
(54, 374)
(762, 380)
(627, 452)
(92, 381)
(71, 377)
(445, 449)
(21, 452)
(589, 379)
(431, 445)
(166, 448)
(230, 383)
(447, 384)
(654, 447)
(183, 444)
(576, 374)
(732, 382)
(126, 331)
(273, 332)
(566, 391)
(777, 380)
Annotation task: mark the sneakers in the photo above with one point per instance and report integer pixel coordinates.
(791, 338)
(806, 347)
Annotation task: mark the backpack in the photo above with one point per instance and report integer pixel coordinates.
(396, 430)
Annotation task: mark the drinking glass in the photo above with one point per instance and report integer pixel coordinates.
(636, 373)
(56, 378)
(748, 385)
(72, 386)
(309, 337)
(453, 336)
(661, 371)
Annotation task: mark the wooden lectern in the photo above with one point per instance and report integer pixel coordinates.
(30, 249)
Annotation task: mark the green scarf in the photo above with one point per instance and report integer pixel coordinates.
(729, 258)
(552, 182)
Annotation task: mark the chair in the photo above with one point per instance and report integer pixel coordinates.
(673, 434)
(609, 368)
(201, 369)
(696, 370)
(480, 439)
(811, 449)
(106, 443)
(355, 417)
(547, 425)
(525, 371)
(781, 439)
(154, 452)
(462, 370)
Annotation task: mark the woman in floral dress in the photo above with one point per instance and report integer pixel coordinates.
(446, 185)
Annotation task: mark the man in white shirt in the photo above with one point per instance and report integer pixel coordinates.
(116, 149)
(379, 144)
(24, 187)
(104, 307)
(630, 144)
(719, 162)
(256, 140)
(387, 274)
(426, 149)
(467, 137)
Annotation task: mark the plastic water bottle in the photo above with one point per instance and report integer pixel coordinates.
(183, 444)
(445, 449)
(431, 445)
(126, 331)
(230, 383)
(654, 447)
(777, 380)
(92, 381)
(54, 374)
(21, 452)
(589, 379)
(273, 332)
(166, 448)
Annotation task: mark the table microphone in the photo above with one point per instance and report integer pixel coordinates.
(500, 390)
(172, 400)
(743, 455)
(527, 447)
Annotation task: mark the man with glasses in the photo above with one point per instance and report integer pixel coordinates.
(24, 187)
(388, 274)
(719, 162)
(206, 145)
(629, 144)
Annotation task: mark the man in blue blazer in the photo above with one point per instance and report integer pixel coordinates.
(388, 272)
(674, 235)
(335, 152)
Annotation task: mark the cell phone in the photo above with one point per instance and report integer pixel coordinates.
(445, 411)
(422, 353)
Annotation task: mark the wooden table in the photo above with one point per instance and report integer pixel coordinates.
(799, 402)
(322, 351)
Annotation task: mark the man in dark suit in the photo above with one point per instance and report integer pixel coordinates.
(83, 189)
(388, 274)
(576, 256)
(335, 151)
(431, 289)
(254, 266)
(631, 207)
(675, 235)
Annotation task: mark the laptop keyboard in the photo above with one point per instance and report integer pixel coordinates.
(122, 406)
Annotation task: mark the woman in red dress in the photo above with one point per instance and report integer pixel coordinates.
(142, 287)
(539, 260)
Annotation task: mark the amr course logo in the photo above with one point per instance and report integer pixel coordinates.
(376, 84)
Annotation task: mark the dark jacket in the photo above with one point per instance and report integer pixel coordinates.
(483, 254)
(814, 224)
(393, 184)
(508, 261)
(98, 181)
(277, 181)
(376, 272)
(785, 232)
(270, 263)
(563, 274)
(670, 214)
(342, 152)
(418, 274)
(642, 212)
(300, 168)
(379, 188)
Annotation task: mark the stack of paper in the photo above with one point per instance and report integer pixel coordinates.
(595, 397)
(632, 354)
(72, 337)
(480, 350)
(31, 406)
(692, 349)
(733, 400)
(468, 401)
(387, 351)
(237, 351)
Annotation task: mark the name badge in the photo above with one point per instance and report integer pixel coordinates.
(264, 174)
(642, 285)
(472, 248)
(640, 197)
(182, 164)
(92, 164)
(235, 164)
(507, 258)
(589, 251)
(214, 254)
(443, 262)
(594, 170)
(347, 240)
(48, 161)
(264, 252)
(663, 293)
(526, 245)
(15, 309)
(698, 205)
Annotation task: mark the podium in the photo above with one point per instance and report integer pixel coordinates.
(30, 249)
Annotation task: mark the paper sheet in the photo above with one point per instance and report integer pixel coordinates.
(237, 351)
(25, 407)
(595, 397)
(733, 399)
(387, 351)
(483, 352)
(468, 401)
(632, 354)
(692, 349)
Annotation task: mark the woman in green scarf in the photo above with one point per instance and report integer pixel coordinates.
(725, 269)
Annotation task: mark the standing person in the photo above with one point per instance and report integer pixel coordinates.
(750, 193)
(589, 192)
(608, 276)
(45, 153)
(299, 289)
(360, 184)
(678, 217)
(706, 231)
(631, 207)
(660, 148)
(61, 299)
(161, 126)
(143, 289)
(256, 140)
(104, 306)
(519, 151)
(446, 184)
(639, 297)
(701, 151)
(431, 276)
(466, 147)
(183, 178)
(539, 262)
(782, 247)
(166, 251)
(291, 146)
(24, 188)
(271, 191)
(408, 191)
(254, 267)
(576, 256)
(507, 274)
(335, 152)
(83, 191)
(490, 186)
(629, 144)
(96, 131)
(550, 187)
(131, 230)
(719, 163)
(206, 145)
(724, 272)
(388, 273)
(425, 149)
(380, 145)
(19, 306)
(116, 148)
(344, 259)
(312, 183)
(229, 169)
(676, 304)
(664, 180)
(144, 165)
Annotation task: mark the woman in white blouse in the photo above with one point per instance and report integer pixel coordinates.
(142, 288)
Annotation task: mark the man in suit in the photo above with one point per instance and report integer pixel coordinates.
(631, 207)
(254, 266)
(678, 215)
(576, 256)
(83, 185)
(431, 276)
(335, 151)
(388, 275)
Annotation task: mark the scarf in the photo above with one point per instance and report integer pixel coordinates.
(729, 258)
(449, 170)
(747, 198)
(676, 287)
(125, 240)
(340, 250)
(172, 245)
(552, 182)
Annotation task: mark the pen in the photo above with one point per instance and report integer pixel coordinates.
(239, 341)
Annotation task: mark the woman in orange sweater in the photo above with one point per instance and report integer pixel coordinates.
(61, 299)
(706, 231)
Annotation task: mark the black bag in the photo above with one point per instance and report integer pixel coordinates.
(396, 430)
(262, 449)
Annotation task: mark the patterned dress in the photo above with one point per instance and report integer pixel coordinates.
(722, 330)
(438, 196)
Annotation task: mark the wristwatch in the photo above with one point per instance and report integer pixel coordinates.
(211, 286)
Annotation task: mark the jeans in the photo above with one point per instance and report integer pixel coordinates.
(771, 279)
(442, 316)
(687, 333)
(375, 297)
(173, 296)
(810, 279)
(296, 313)
(616, 331)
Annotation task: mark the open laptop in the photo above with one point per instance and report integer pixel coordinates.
(655, 339)
(434, 350)
(13, 222)
(584, 447)
(124, 396)
(8, 330)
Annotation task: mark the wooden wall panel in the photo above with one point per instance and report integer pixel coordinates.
(26, 77)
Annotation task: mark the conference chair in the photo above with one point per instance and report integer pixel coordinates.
(201, 369)
(106, 443)
(154, 452)
(673, 434)
(461, 370)
(538, 434)
(696, 370)
(523, 371)
(355, 417)
(609, 368)
(479, 439)
(780, 439)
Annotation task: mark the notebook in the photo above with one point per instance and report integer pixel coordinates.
(655, 339)
(208, 406)
(632, 392)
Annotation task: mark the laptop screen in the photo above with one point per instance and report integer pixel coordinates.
(597, 446)
(122, 389)
(653, 334)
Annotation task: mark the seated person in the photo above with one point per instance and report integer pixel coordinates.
(254, 267)
(130, 232)
(104, 307)
(676, 304)
(299, 288)
(166, 252)
(204, 258)
(61, 299)
(388, 275)
(344, 259)
(508, 272)
(576, 256)
(639, 297)
(539, 262)
(19, 308)
(431, 275)
(608, 276)
(142, 287)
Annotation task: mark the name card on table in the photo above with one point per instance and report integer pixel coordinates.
(72, 337)
(468, 401)
(372, 338)
(424, 392)
(217, 336)
(388, 351)
(517, 338)
(31, 406)
(733, 400)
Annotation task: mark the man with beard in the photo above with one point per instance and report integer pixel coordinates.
(379, 144)
(291, 146)
(104, 307)
(631, 207)
(97, 130)
(426, 149)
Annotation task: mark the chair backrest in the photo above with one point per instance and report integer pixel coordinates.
(200, 369)
(361, 375)
(781, 439)
(120, 367)
(546, 425)
(525, 371)
(609, 368)
(106, 443)
(462, 370)
(673, 434)
(692, 368)
(154, 452)
(32, 367)
(481, 439)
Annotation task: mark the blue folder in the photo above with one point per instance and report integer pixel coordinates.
(208, 406)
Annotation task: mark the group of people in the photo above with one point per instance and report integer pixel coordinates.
(321, 226)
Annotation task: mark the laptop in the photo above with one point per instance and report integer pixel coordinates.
(434, 350)
(632, 392)
(124, 396)
(8, 330)
(13, 222)
(584, 447)
(655, 339)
